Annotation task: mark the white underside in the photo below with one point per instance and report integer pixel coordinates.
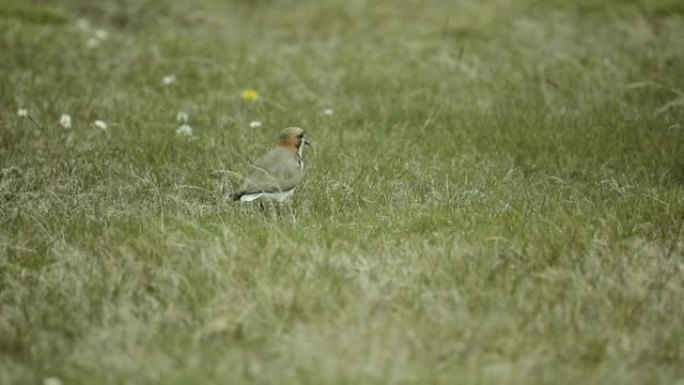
(279, 197)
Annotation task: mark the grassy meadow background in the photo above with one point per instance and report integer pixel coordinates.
(497, 197)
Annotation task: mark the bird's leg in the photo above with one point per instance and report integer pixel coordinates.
(277, 206)
(290, 209)
(261, 206)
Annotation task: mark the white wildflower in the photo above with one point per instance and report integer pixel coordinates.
(328, 111)
(169, 79)
(101, 34)
(100, 124)
(92, 42)
(83, 24)
(65, 120)
(52, 381)
(185, 129)
(182, 117)
(255, 124)
(23, 113)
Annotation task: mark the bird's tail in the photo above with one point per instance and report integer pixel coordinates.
(236, 196)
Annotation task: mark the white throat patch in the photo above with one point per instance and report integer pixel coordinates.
(299, 158)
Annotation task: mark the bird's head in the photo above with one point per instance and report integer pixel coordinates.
(293, 138)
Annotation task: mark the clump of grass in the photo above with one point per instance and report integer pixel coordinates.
(33, 13)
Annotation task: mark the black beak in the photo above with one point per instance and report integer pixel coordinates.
(306, 141)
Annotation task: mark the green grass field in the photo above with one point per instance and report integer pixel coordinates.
(497, 197)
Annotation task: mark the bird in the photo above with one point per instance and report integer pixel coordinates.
(274, 176)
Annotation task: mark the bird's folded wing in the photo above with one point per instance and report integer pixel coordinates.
(275, 172)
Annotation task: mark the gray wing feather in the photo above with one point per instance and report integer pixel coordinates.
(276, 171)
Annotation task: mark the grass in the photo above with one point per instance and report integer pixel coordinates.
(497, 198)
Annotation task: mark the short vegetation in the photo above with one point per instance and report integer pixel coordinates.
(495, 192)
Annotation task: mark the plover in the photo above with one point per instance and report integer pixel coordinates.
(275, 175)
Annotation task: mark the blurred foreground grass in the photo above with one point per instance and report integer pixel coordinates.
(496, 198)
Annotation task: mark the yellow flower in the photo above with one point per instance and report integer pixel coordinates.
(249, 95)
